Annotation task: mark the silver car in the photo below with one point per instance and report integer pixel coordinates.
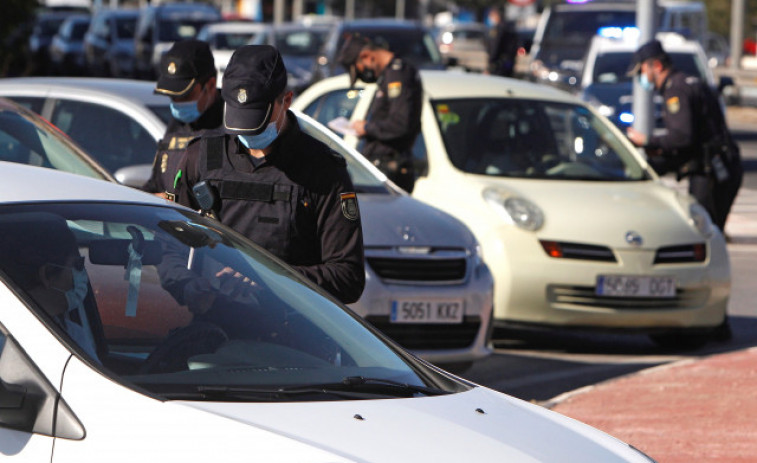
(426, 284)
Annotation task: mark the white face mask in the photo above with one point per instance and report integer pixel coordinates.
(75, 296)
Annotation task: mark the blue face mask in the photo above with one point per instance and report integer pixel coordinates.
(185, 112)
(645, 83)
(262, 140)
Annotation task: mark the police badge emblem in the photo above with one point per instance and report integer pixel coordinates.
(242, 96)
(674, 104)
(172, 68)
(164, 163)
(349, 205)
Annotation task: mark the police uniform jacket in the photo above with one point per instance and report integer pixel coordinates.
(171, 148)
(299, 203)
(395, 116)
(693, 120)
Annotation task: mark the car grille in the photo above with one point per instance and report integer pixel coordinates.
(584, 296)
(433, 266)
(429, 336)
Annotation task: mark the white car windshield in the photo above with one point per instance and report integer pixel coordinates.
(181, 306)
(533, 139)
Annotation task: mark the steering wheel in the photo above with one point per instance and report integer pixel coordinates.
(194, 339)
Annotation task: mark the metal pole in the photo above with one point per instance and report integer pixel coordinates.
(399, 12)
(278, 11)
(738, 13)
(297, 9)
(349, 9)
(642, 99)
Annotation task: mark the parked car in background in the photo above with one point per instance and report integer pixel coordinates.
(225, 37)
(717, 49)
(576, 227)
(419, 260)
(142, 369)
(465, 44)
(407, 39)
(109, 43)
(563, 36)
(67, 48)
(299, 44)
(46, 25)
(605, 85)
(159, 26)
(116, 121)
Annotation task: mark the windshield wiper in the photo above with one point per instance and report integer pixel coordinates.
(369, 385)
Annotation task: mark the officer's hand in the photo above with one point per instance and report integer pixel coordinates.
(636, 137)
(237, 287)
(359, 127)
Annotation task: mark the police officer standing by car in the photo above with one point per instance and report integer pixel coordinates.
(502, 46)
(697, 143)
(188, 77)
(278, 186)
(394, 121)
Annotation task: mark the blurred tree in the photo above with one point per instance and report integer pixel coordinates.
(15, 27)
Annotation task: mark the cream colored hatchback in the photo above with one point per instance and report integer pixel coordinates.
(576, 228)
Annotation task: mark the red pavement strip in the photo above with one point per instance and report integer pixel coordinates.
(702, 410)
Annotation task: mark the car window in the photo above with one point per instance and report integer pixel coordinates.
(179, 305)
(108, 135)
(299, 42)
(581, 26)
(415, 45)
(612, 67)
(338, 103)
(125, 27)
(27, 142)
(533, 139)
(29, 102)
(179, 29)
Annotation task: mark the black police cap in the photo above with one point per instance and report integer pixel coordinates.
(349, 53)
(253, 79)
(186, 63)
(650, 50)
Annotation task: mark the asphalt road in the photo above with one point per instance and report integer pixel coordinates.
(540, 365)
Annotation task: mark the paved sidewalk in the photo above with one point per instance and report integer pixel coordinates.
(690, 411)
(695, 410)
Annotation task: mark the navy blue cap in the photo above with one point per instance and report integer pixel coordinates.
(186, 63)
(650, 50)
(253, 79)
(349, 53)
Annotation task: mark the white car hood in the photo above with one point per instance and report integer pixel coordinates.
(479, 425)
(603, 212)
(393, 220)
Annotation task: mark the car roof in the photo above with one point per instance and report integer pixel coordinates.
(125, 89)
(671, 42)
(447, 84)
(380, 23)
(23, 184)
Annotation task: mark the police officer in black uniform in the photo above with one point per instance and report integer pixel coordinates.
(273, 183)
(188, 77)
(697, 143)
(395, 117)
(502, 46)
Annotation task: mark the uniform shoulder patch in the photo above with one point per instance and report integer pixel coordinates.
(397, 64)
(349, 206)
(673, 104)
(394, 89)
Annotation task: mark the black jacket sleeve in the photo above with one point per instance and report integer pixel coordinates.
(342, 268)
(680, 110)
(404, 93)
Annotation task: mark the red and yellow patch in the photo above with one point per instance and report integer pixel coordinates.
(394, 89)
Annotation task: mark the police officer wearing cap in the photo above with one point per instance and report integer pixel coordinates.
(188, 77)
(697, 143)
(280, 187)
(394, 121)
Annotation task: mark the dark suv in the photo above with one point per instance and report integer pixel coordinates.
(407, 39)
(160, 26)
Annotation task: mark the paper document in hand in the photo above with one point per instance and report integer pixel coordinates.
(342, 125)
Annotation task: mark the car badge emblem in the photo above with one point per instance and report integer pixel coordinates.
(172, 68)
(242, 96)
(633, 238)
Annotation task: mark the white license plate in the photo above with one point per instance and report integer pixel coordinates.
(415, 311)
(635, 286)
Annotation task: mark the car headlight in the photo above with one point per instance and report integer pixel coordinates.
(515, 210)
(701, 220)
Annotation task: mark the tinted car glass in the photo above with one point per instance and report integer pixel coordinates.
(532, 139)
(612, 67)
(25, 141)
(178, 29)
(203, 312)
(300, 43)
(110, 136)
(415, 45)
(125, 27)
